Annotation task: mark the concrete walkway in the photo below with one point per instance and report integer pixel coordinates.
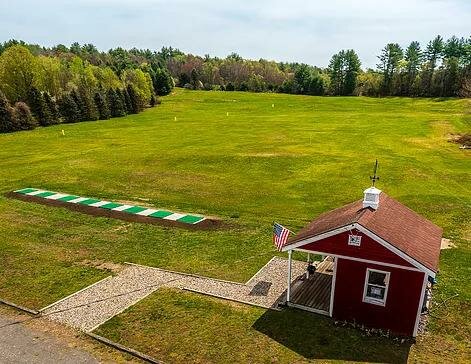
(91, 307)
(22, 344)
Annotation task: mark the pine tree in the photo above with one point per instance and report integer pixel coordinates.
(23, 119)
(69, 109)
(52, 109)
(90, 110)
(433, 54)
(39, 108)
(133, 100)
(6, 115)
(389, 61)
(352, 69)
(116, 104)
(102, 106)
(82, 113)
(413, 58)
(162, 82)
(126, 99)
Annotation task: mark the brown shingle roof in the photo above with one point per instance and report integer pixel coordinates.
(403, 228)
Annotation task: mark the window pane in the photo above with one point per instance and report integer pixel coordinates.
(375, 292)
(377, 278)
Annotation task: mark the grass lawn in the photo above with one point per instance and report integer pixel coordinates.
(250, 167)
(182, 327)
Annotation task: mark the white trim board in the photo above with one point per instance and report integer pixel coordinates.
(368, 233)
(332, 288)
(360, 260)
(419, 309)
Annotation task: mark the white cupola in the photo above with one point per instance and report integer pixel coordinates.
(371, 198)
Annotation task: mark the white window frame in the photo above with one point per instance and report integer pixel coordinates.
(376, 301)
(356, 237)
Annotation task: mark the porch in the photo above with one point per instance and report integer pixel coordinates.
(313, 292)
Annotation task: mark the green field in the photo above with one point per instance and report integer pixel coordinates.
(250, 167)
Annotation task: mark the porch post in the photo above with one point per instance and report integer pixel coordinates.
(288, 291)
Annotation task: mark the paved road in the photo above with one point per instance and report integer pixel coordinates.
(22, 344)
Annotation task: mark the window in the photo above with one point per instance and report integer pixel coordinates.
(354, 240)
(376, 286)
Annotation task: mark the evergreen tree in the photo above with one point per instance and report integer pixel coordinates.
(90, 111)
(6, 115)
(52, 109)
(162, 82)
(23, 119)
(126, 100)
(69, 109)
(116, 105)
(390, 57)
(433, 54)
(39, 108)
(413, 58)
(352, 69)
(344, 68)
(133, 100)
(82, 113)
(102, 106)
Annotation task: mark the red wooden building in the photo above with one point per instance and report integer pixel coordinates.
(380, 256)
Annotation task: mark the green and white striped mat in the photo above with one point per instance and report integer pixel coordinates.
(130, 209)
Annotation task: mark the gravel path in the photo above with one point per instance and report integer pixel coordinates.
(91, 307)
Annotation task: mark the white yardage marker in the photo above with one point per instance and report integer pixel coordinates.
(121, 208)
(79, 199)
(174, 216)
(56, 196)
(146, 212)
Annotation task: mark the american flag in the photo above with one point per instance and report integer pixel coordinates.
(280, 236)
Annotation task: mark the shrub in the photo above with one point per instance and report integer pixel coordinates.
(22, 117)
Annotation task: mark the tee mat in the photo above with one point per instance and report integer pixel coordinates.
(113, 206)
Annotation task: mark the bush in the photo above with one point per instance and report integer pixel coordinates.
(22, 117)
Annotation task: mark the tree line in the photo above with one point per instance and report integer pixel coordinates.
(45, 86)
(48, 85)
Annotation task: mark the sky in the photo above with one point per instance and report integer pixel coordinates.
(288, 30)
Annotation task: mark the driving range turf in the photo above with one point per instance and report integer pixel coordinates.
(234, 156)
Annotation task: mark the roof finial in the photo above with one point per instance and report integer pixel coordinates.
(374, 178)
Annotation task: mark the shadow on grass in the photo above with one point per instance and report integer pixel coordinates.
(316, 337)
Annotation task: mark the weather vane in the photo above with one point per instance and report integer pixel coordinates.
(375, 178)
